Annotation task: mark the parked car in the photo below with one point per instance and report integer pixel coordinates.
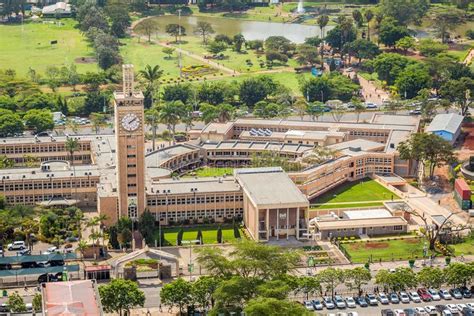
(24, 252)
(440, 307)
(339, 301)
(16, 245)
(467, 311)
(430, 309)
(361, 301)
(470, 305)
(308, 305)
(53, 249)
(456, 293)
(317, 305)
(420, 311)
(370, 105)
(383, 299)
(414, 297)
(461, 306)
(4, 308)
(424, 295)
(350, 302)
(327, 301)
(466, 293)
(372, 299)
(409, 311)
(43, 264)
(404, 298)
(415, 112)
(452, 308)
(445, 295)
(434, 295)
(394, 298)
(399, 312)
(387, 312)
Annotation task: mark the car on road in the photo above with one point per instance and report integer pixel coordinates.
(424, 295)
(16, 245)
(350, 302)
(394, 298)
(420, 311)
(317, 305)
(431, 310)
(415, 112)
(308, 305)
(445, 295)
(466, 293)
(452, 308)
(434, 294)
(371, 299)
(383, 299)
(399, 312)
(327, 301)
(370, 105)
(456, 293)
(361, 301)
(24, 252)
(414, 297)
(339, 301)
(53, 249)
(404, 298)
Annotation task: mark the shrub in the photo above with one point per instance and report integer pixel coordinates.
(470, 34)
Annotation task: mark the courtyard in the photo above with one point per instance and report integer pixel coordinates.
(209, 234)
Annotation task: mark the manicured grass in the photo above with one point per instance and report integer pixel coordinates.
(209, 234)
(398, 249)
(464, 248)
(29, 46)
(213, 172)
(349, 205)
(366, 190)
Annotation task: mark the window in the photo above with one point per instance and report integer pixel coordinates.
(398, 227)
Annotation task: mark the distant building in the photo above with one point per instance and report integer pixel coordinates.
(61, 9)
(448, 126)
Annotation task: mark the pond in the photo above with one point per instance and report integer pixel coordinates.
(251, 30)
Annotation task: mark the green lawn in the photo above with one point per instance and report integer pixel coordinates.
(29, 46)
(366, 190)
(209, 234)
(464, 248)
(399, 249)
(212, 172)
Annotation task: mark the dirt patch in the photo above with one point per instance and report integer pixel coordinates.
(376, 245)
(412, 241)
(85, 60)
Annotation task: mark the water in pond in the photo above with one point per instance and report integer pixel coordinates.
(250, 29)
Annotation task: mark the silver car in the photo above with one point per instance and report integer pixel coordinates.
(350, 302)
(339, 302)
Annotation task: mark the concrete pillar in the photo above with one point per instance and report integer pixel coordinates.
(297, 223)
(287, 222)
(278, 224)
(267, 223)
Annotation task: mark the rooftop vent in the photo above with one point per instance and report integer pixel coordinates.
(355, 149)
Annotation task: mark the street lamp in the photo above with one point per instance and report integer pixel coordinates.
(179, 44)
(190, 264)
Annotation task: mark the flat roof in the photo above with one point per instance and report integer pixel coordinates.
(363, 144)
(218, 128)
(449, 122)
(270, 187)
(367, 214)
(296, 134)
(71, 298)
(360, 223)
(37, 173)
(256, 145)
(158, 157)
(184, 185)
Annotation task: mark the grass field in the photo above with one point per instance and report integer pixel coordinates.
(366, 190)
(399, 249)
(209, 234)
(29, 46)
(213, 172)
(464, 248)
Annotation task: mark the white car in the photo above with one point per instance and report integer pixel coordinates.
(350, 302)
(353, 314)
(445, 295)
(370, 105)
(317, 305)
(452, 308)
(53, 249)
(414, 297)
(383, 298)
(461, 306)
(399, 312)
(339, 302)
(327, 301)
(16, 245)
(470, 305)
(434, 295)
(430, 309)
(404, 298)
(420, 311)
(309, 305)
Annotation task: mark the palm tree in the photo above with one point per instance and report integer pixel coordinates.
(79, 218)
(170, 114)
(322, 21)
(72, 145)
(358, 108)
(369, 15)
(152, 75)
(81, 247)
(225, 112)
(152, 117)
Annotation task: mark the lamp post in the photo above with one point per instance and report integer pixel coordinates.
(179, 44)
(190, 264)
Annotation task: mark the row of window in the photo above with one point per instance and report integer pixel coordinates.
(369, 134)
(48, 184)
(32, 199)
(396, 228)
(190, 200)
(83, 158)
(37, 148)
(200, 214)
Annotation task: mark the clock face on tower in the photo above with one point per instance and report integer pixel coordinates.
(130, 122)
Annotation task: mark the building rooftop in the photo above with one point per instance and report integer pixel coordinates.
(359, 144)
(160, 156)
(360, 223)
(449, 122)
(58, 169)
(198, 185)
(256, 145)
(270, 188)
(367, 214)
(295, 135)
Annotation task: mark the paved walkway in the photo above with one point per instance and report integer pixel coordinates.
(469, 57)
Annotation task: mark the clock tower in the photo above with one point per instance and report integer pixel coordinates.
(130, 150)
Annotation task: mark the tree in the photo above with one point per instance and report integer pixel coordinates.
(179, 237)
(461, 92)
(458, 274)
(37, 302)
(121, 295)
(178, 92)
(151, 75)
(405, 43)
(316, 109)
(216, 47)
(331, 278)
(344, 32)
(279, 44)
(363, 49)
(15, 303)
(152, 118)
(203, 290)
(272, 55)
(204, 29)
(120, 18)
(147, 27)
(10, 123)
(219, 235)
(431, 277)
(369, 15)
(314, 41)
(322, 22)
(252, 90)
(398, 280)
(357, 277)
(307, 54)
(431, 48)
(238, 40)
(429, 149)
(358, 17)
(170, 114)
(405, 11)
(168, 51)
(146, 226)
(98, 120)
(390, 32)
(175, 30)
(447, 20)
(113, 238)
(412, 79)
(389, 65)
(177, 293)
(267, 306)
(39, 120)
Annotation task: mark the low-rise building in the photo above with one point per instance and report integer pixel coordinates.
(446, 125)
